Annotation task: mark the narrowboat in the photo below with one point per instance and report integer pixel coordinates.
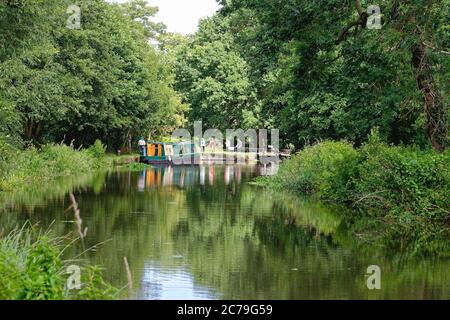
(180, 153)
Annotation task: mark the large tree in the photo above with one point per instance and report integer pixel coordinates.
(141, 12)
(419, 24)
(214, 78)
(103, 80)
(320, 72)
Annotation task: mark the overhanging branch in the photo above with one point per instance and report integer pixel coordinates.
(359, 7)
(344, 33)
(361, 21)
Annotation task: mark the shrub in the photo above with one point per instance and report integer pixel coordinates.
(95, 287)
(408, 189)
(313, 169)
(32, 269)
(404, 190)
(50, 162)
(97, 150)
(402, 180)
(41, 280)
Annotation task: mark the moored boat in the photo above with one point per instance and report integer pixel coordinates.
(179, 153)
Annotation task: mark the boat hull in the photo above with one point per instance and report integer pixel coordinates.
(185, 160)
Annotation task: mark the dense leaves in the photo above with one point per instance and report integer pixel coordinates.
(214, 78)
(399, 193)
(316, 71)
(102, 81)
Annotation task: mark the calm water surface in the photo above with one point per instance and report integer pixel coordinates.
(206, 233)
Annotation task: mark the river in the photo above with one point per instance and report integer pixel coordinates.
(205, 232)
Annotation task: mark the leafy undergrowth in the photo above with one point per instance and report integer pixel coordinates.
(21, 168)
(399, 194)
(32, 269)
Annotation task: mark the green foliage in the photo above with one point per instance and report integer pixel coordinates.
(407, 188)
(42, 265)
(9, 135)
(33, 165)
(214, 78)
(311, 82)
(413, 181)
(401, 190)
(6, 155)
(103, 81)
(313, 169)
(97, 150)
(141, 13)
(9, 123)
(32, 269)
(94, 286)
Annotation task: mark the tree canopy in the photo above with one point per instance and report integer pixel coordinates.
(101, 81)
(316, 70)
(319, 70)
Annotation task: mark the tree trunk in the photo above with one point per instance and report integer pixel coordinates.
(32, 130)
(435, 113)
(29, 130)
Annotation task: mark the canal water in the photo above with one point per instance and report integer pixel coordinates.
(205, 232)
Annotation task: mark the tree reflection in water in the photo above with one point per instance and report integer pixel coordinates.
(203, 232)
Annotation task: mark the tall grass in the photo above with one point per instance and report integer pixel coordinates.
(32, 165)
(31, 268)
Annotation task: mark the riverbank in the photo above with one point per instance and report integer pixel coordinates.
(398, 195)
(22, 168)
(32, 269)
(189, 215)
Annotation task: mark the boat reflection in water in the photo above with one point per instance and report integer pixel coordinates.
(187, 176)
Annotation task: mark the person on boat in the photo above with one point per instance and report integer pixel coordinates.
(203, 144)
(142, 146)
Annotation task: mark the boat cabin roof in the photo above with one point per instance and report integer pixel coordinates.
(171, 143)
(155, 142)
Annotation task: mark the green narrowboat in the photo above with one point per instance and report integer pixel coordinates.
(180, 153)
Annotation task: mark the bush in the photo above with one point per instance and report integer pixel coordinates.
(314, 169)
(32, 269)
(403, 189)
(408, 189)
(97, 150)
(50, 162)
(402, 180)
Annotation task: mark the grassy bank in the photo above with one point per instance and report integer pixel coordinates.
(31, 262)
(32, 269)
(397, 195)
(21, 168)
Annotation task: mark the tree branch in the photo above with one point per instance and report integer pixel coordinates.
(394, 10)
(436, 49)
(344, 33)
(362, 21)
(359, 8)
